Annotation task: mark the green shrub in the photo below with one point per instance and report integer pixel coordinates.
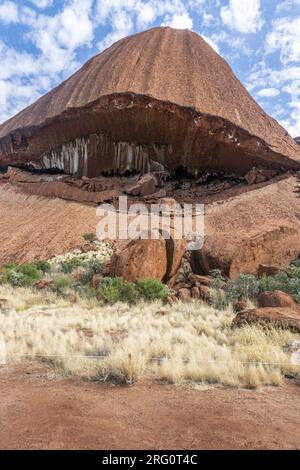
(244, 287)
(24, 275)
(294, 270)
(109, 293)
(43, 266)
(288, 282)
(93, 266)
(116, 289)
(69, 265)
(61, 283)
(89, 237)
(16, 279)
(151, 289)
(218, 280)
(10, 266)
(90, 293)
(30, 270)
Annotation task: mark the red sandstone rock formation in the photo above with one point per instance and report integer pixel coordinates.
(276, 298)
(259, 227)
(282, 317)
(161, 99)
(151, 258)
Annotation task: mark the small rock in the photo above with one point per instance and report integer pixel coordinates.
(205, 293)
(197, 279)
(43, 284)
(184, 295)
(240, 306)
(162, 311)
(264, 270)
(145, 186)
(87, 247)
(195, 292)
(168, 300)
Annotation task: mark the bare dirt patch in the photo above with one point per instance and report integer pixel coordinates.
(41, 412)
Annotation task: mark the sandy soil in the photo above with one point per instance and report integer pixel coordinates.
(39, 411)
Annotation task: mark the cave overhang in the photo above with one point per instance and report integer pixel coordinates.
(126, 131)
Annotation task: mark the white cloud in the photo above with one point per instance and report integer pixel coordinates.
(9, 12)
(288, 80)
(287, 5)
(146, 15)
(24, 77)
(178, 21)
(285, 38)
(42, 3)
(268, 92)
(211, 42)
(243, 16)
(208, 19)
(122, 26)
(292, 123)
(127, 17)
(236, 44)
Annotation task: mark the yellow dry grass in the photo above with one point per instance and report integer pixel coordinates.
(183, 343)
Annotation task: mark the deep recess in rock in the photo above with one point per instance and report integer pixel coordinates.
(158, 100)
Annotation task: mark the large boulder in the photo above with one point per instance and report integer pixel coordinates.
(281, 317)
(257, 227)
(151, 258)
(276, 298)
(141, 259)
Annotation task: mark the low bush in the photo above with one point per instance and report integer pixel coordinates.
(288, 282)
(43, 266)
(116, 289)
(69, 265)
(93, 266)
(61, 284)
(25, 275)
(244, 287)
(151, 289)
(247, 286)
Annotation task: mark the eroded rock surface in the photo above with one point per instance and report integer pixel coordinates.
(276, 299)
(149, 258)
(254, 228)
(161, 99)
(282, 317)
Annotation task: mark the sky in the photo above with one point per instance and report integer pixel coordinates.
(42, 42)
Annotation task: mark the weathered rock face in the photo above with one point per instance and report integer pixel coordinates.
(276, 299)
(297, 139)
(145, 186)
(259, 227)
(139, 260)
(152, 258)
(181, 107)
(282, 317)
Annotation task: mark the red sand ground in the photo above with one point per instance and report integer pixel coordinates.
(40, 412)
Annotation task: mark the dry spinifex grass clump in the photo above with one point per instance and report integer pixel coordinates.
(182, 343)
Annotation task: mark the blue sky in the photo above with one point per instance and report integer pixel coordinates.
(42, 42)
